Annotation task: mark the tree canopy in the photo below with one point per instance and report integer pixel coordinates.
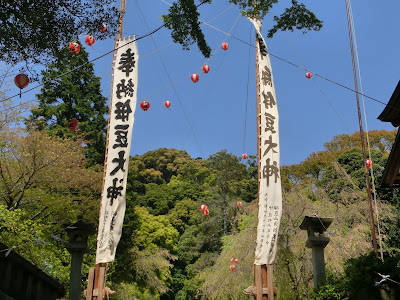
(37, 31)
(183, 20)
(44, 183)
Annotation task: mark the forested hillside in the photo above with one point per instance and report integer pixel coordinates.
(169, 249)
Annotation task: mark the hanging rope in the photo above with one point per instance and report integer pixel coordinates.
(366, 131)
(247, 94)
(366, 173)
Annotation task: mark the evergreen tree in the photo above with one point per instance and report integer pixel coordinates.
(75, 95)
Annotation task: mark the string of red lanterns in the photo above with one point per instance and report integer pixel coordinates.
(89, 40)
(74, 47)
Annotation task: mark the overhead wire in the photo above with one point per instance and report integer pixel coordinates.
(175, 92)
(173, 84)
(232, 36)
(302, 68)
(101, 56)
(318, 86)
(215, 71)
(106, 72)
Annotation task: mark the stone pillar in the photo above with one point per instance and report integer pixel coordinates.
(78, 234)
(317, 241)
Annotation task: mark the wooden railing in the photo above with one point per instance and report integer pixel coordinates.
(20, 280)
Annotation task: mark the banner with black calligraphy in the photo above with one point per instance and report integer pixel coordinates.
(119, 137)
(270, 190)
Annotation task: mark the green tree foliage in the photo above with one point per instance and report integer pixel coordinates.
(381, 140)
(229, 175)
(362, 279)
(154, 232)
(75, 95)
(43, 174)
(33, 240)
(170, 250)
(352, 162)
(183, 20)
(44, 183)
(152, 247)
(36, 30)
(170, 183)
(183, 214)
(132, 291)
(163, 164)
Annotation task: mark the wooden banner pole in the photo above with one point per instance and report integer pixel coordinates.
(263, 275)
(96, 280)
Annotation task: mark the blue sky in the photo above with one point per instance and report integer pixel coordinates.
(208, 116)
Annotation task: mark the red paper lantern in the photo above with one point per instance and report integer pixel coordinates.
(21, 81)
(167, 104)
(244, 156)
(103, 28)
(74, 47)
(224, 46)
(239, 203)
(89, 40)
(73, 125)
(232, 267)
(308, 75)
(203, 207)
(206, 212)
(195, 77)
(144, 105)
(368, 163)
(206, 68)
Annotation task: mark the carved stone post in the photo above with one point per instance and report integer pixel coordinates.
(317, 241)
(78, 234)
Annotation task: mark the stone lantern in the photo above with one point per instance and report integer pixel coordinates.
(78, 234)
(317, 240)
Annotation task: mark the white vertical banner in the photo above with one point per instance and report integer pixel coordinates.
(122, 109)
(270, 190)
